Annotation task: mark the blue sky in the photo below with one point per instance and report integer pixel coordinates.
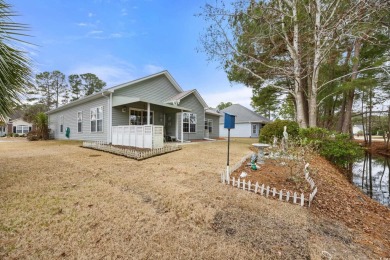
(122, 40)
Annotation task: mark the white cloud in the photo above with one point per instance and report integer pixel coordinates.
(91, 14)
(115, 35)
(124, 12)
(111, 70)
(151, 69)
(33, 53)
(95, 32)
(237, 95)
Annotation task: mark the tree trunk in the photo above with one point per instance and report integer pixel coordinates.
(351, 93)
(370, 118)
(316, 67)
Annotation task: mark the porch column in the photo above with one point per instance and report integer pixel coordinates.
(182, 135)
(148, 115)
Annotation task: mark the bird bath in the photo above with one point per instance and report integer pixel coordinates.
(260, 154)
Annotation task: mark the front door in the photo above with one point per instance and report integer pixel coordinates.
(255, 130)
(206, 129)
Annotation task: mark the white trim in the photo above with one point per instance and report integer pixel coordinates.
(77, 120)
(109, 140)
(182, 133)
(189, 122)
(96, 120)
(148, 114)
(143, 110)
(197, 95)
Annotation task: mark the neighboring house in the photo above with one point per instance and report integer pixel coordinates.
(248, 123)
(357, 129)
(18, 126)
(155, 100)
(3, 129)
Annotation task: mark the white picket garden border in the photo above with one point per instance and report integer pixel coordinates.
(266, 190)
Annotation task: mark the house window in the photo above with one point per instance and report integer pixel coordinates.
(254, 129)
(97, 119)
(189, 123)
(61, 124)
(22, 129)
(79, 121)
(140, 117)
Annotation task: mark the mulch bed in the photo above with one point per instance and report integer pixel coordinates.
(132, 148)
(288, 177)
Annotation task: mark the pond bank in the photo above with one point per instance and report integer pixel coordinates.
(378, 147)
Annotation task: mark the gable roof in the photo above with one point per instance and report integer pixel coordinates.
(112, 89)
(178, 97)
(165, 73)
(243, 115)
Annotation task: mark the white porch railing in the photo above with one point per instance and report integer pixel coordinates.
(142, 136)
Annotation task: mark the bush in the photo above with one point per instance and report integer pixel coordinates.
(313, 136)
(341, 150)
(33, 136)
(276, 128)
(337, 148)
(9, 135)
(15, 135)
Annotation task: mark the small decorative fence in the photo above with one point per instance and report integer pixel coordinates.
(129, 151)
(267, 191)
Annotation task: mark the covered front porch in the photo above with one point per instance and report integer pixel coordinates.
(144, 124)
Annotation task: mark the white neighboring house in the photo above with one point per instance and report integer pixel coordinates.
(247, 123)
(356, 129)
(18, 126)
(3, 129)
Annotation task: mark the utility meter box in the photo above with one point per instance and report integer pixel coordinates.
(229, 121)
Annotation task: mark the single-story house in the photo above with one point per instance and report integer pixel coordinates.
(155, 103)
(357, 129)
(247, 122)
(15, 125)
(3, 129)
(19, 126)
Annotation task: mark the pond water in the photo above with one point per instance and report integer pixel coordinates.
(372, 175)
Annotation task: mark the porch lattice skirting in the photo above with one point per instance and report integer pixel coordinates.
(142, 136)
(267, 191)
(129, 152)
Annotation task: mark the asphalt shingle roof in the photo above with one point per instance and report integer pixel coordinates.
(243, 114)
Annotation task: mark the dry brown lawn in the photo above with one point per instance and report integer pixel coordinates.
(58, 200)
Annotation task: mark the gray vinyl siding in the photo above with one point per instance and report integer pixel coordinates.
(70, 120)
(196, 108)
(215, 132)
(157, 89)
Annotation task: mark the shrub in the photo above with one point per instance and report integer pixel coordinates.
(337, 148)
(314, 133)
(276, 128)
(341, 150)
(41, 123)
(313, 136)
(15, 135)
(9, 135)
(33, 136)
